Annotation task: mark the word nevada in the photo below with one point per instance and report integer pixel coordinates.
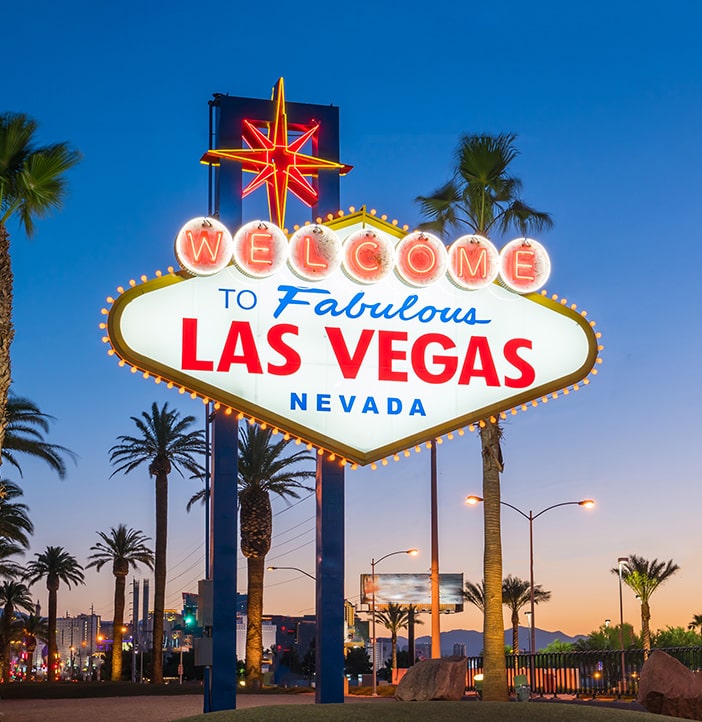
(366, 255)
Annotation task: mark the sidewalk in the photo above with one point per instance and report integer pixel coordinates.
(140, 709)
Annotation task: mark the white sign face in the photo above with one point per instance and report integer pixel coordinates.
(363, 370)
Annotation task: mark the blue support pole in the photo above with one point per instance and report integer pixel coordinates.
(330, 582)
(224, 535)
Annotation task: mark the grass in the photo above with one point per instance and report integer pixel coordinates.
(422, 711)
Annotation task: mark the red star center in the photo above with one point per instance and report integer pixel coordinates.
(277, 163)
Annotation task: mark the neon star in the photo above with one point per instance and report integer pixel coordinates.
(277, 162)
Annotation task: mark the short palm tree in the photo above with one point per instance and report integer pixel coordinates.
(165, 443)
(644, 577)
(265, 467)
(394, 618)
(122, 548)
(32, 183)
(696, 623)
(516, 593)
(483, 198)
(55, 565)
(15, 524)
(475, 594)
(34, 629)
(24, 434)
(13, 597)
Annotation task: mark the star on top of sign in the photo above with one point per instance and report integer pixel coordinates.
(277, 161)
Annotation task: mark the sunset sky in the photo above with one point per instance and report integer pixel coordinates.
(606, 100)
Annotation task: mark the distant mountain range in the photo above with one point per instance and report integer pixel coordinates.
(474, 640)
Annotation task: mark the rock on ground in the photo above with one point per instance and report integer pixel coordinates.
(668, 687)
(443, 678)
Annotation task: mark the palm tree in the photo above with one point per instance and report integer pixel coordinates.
(695, 623)
(475, 594)
(123, 548)
(394, 617)
(265, 468)
(165, 443)
(56, 565)
(484, 197)
(34, 628)
(644, 577)
(516, 593)
(32, 184)
(15, 525)
(24, 434)
(13, 596)
(9, 568)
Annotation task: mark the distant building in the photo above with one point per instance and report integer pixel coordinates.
(78, 643)
(459, 649)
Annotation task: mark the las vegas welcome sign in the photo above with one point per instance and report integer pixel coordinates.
(354, 335)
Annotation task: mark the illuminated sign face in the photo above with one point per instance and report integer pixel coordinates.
(353, 335)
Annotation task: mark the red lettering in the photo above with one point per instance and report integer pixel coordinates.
(387, 354)
(240, 334)
(479, 349)
(527, 370)
(419, 365)
(276, 342)
(421, 258)
(348, 363)
(189, 360)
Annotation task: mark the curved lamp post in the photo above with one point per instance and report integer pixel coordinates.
(411, 552)
(587, 503)
(621, 563)
(296, 569)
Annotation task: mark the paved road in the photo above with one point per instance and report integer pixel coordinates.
(136, 709)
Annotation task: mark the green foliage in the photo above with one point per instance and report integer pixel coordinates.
(675, 637)
(558, 646)
(357, 662)
(608, 638)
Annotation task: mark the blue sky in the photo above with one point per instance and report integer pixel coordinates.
(605, 99)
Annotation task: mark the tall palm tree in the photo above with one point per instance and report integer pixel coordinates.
(644, 577)
(32, 183)
(394, 618)
(24, 434)
(165, 443)
(265, 468)
(13, 597)
(55, 565)
(15, 524)
(123, 548)
(516, 593)
(34, 629)
(484, 197)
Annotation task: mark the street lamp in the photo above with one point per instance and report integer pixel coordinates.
(296, 569)
(587, 503)
(621, 562)
(411, 552)
(528, 616)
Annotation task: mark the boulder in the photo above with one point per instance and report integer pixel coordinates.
(669, 687)
(443, 678)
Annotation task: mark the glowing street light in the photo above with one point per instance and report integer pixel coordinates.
(295, 569)
(411, 552)
(587, 503)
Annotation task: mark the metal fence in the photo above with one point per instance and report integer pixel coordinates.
(585, 674)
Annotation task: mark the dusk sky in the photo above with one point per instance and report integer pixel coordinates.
(606, 99)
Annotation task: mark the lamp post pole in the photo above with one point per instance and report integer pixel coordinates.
(412, 552)
(296, 569)
(621, 561)
(530, 517)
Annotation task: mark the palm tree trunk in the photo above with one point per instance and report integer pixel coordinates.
(6, 329)
(495, 682)
(515, 631)
(159, 575)
(120, 582)
(393, 640)
(53, 648)
(254, 635)
(645, 630)
(7, 614)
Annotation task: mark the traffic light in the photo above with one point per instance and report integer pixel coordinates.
(190, 615)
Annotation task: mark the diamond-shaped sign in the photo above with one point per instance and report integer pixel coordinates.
(362, 370)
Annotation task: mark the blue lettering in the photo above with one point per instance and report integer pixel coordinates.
(394, 406)
(370, 406)
(323, 402)
(298, 402)
(417, 408)
(347, 404)
(289, 298)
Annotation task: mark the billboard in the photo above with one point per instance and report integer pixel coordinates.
(413, 589)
